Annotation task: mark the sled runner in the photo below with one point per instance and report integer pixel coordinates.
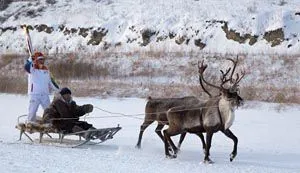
(95, 135)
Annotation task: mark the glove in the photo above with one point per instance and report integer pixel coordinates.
(30, 59)
(88, 108)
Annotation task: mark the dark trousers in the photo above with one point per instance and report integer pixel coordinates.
(73, 126)
(83, 125)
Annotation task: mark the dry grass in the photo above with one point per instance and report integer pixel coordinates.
(88, 77)
(7, 59)
(13, 84)
(272, 94)
(71, 69)
(10, 79)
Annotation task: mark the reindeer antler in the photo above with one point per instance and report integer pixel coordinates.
(234, 66)
(201, 69)
(223, 77)
(238, 78)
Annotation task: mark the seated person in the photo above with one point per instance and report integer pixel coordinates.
(63, 113)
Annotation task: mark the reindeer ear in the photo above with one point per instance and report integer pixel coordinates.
(223, 92)
(234, 89)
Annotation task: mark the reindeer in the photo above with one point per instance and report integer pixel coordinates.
(216, 114)
(156, 110)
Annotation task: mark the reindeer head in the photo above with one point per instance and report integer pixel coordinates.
(231, 91)
(232, 96)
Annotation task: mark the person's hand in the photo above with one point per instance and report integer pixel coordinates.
(88, 108)
(73, 103)
(30, 59)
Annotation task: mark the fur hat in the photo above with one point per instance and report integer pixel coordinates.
(64, 91)
(38, 64)
(38, 55)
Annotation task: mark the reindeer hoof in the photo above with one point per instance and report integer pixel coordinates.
(208, 161)
(232, 156)
(173, 152)
(171, 156)
(138, 146)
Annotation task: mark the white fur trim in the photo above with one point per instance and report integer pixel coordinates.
(40, 57)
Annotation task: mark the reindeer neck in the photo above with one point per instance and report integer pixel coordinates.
(227, 112)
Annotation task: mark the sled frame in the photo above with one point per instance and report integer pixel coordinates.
(106, 133)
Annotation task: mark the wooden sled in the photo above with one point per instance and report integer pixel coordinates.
(95, 135)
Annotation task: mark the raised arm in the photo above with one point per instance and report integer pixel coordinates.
(28, 65)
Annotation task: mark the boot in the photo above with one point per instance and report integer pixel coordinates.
(79, 129)
(90, 134)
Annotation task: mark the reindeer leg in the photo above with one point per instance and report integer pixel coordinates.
(203, 141)
(229, 134)
(209, 136)
(175, 149)
(167, 153)
(143, 127)
(168, 141)
(182, 136)
(158, 132)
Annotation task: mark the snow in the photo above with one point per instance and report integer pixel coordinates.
(177, 16)
(267, 133)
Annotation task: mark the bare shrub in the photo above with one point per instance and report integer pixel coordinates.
(249, 92)
(160, 74)
(293, 99)
(283, 95)
(69, 69)
(7, 59)
(279, 98)
(289, 61)
(154, 54)
(13, 84)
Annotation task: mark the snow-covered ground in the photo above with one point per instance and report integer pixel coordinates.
(268, 142)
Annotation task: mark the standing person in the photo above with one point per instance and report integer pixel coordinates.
(39, 85)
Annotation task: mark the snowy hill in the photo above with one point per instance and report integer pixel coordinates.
(249, 26)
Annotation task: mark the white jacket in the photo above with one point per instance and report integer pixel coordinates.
(39, 81)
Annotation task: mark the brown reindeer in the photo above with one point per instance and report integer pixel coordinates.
(216, 114)
(156, 110)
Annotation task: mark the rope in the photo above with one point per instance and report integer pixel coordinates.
(117, 114)
(154, 113)
(120, 114)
